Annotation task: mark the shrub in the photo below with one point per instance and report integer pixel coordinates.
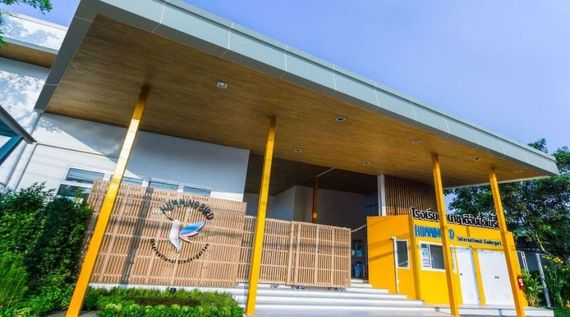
(149, 302)
(47, 234)
(557, 276)
(532, 288)
(13, 280)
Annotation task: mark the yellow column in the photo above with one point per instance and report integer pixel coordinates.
(478, 276)
(415, 253)
(105, 213)
(507, 247)
(451, 287)
(315, 213)
(257, 249)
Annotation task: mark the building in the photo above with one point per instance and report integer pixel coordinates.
(216, 110)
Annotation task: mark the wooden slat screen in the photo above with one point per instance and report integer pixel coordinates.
(127, 256)
(295, 253)
(401, 194)
(299, 253)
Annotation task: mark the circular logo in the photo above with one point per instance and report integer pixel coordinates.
(181, 233)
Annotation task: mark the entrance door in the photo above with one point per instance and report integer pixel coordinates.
(495, 276)
(467, 276)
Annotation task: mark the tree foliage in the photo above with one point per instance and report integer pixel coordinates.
(537, 211)
(42, 5)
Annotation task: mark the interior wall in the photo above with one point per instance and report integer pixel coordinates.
(65, 142)
(401, 194)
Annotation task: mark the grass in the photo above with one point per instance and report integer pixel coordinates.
(562, 312)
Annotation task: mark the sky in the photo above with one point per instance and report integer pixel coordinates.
(502, 65)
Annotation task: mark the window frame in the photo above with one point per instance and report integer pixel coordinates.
(431, 268)
(407, 254)
(145, 181)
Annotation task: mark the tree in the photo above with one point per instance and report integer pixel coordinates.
(537, 211)
(42, 5)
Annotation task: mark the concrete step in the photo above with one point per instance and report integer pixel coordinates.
(498, 311)
(330, 301)
(381, 294)
(264, 308)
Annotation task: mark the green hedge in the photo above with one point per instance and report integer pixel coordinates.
(145, 302)
(41, 237)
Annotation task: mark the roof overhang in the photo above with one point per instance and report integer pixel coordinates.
(113, 47)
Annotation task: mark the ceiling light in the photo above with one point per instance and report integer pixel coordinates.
(298, 150)
(222, 84)
(518, 171)
(365, 163)
(340, 119)
(476, 158)
(416, 141)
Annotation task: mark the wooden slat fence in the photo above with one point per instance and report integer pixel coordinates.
(295, 253)
(299, 253)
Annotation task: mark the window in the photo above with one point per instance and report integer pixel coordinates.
(197, 191)
(163, 185)
(432, 256)
(402, 254)
(132, 181)
(78, 183)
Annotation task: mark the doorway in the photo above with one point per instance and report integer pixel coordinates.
(467, 276)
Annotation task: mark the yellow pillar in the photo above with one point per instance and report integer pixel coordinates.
(478, 276)
(507, 247)
(105, 213)
(257, 249)
(415, 253)
(451, 286)
(315, 213)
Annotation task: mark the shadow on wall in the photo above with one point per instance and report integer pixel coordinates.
(29, 31)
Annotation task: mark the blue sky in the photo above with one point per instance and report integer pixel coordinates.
(502, 65)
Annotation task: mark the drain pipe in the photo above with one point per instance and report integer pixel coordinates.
(397, 282)
(543, 280)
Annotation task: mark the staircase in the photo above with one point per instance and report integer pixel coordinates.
(360, 297)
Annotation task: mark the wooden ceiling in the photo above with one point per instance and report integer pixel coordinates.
(27, 54)
(104, 78)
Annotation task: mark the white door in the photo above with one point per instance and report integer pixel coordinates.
(495, 276)
(467, 276)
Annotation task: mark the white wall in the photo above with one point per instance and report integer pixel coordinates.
(64, 142)
(31, 31)
(20, 86)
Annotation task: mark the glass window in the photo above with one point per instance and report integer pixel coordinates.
(436, 252)
(132, 181)
(83, 176)
(197, 191)
(402, 253)
(163, 185)
(432, 256)
(76, 193)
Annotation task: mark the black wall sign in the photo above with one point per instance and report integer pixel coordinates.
(465, 220)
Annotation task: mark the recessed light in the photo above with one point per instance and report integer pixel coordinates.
(365, 163)
(416, 141)
(476, 158)
(340, 119)
(222, 84)
(518, 171)
(298, 150)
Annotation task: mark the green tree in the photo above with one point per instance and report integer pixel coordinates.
(42, 5)
(537, 211)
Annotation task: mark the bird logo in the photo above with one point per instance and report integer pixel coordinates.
(183, 232)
